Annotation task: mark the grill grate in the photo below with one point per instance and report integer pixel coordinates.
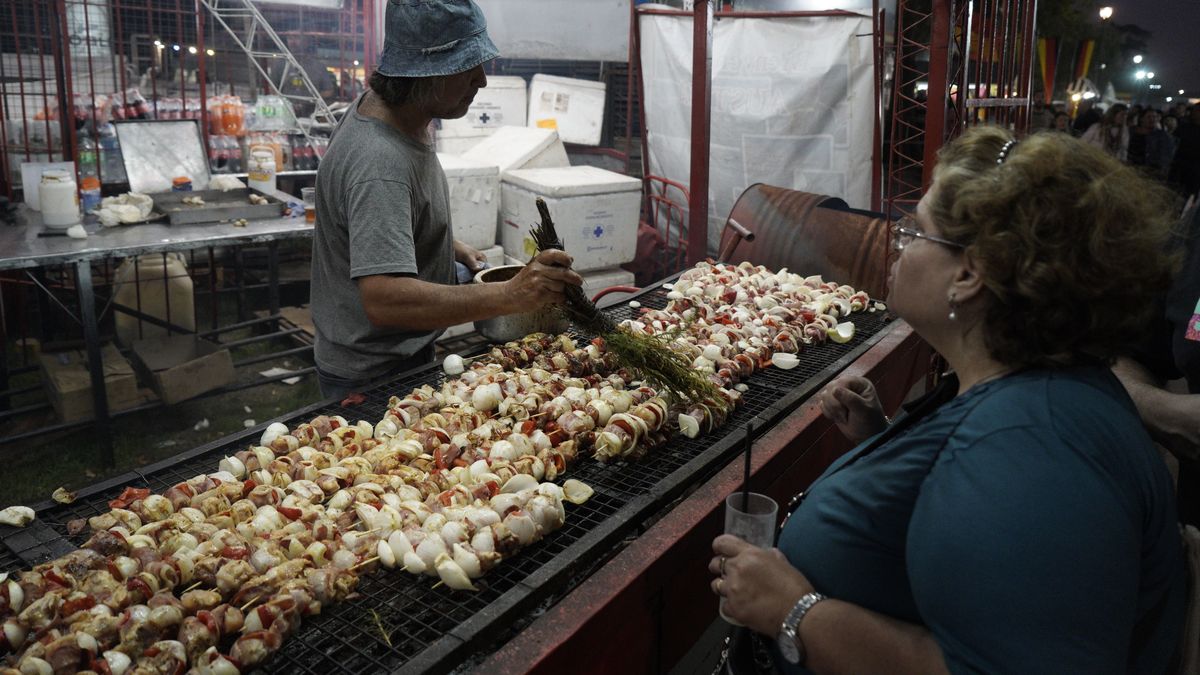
(439, 629)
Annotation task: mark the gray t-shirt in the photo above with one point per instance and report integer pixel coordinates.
(383, 207)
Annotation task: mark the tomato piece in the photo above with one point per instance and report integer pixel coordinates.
(460, 462)
(54, 577)
(248, 486)
(128, 496)
(139, 585)
(446, 498)
(289, 512)
(78, 605)
(439, 460)
(235, 552)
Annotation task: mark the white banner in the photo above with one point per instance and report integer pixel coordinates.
(793, 105)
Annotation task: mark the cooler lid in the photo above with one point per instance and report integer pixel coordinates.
(457, 165)
(505, 82)
(572, 181)
(512, 147)
(541, 78)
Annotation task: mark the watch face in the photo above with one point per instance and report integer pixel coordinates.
(787, 647)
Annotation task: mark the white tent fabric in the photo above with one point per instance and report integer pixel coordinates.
(792, 105)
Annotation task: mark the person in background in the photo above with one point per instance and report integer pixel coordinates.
(1062, 122)
(1185, 168)
(384, 252)
(1149, 146)
(1110, 134)
(1086, 116)
(1024, 523)
(1041, 116)
(1171, 352)
(1170, 123)
(305, 53)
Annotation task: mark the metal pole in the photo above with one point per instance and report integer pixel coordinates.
(702, 34)
(91, 338)
(939, 89)
(273, 279)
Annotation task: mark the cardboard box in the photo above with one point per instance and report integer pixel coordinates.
(68, 383)
(180, 367)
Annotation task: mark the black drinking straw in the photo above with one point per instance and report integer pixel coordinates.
(746, 474)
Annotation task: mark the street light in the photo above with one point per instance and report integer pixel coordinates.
(1150, 75)
(1137, 58)
(1141, 74)
(1106, 13)
(1181, 92)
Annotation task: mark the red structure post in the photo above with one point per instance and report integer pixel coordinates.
(702, 33)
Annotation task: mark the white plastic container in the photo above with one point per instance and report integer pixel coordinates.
(58, 199)
(140, 285)
(595, 212)
(474, 199)
(495, 258)
(260, 173)
(520, 148)
(460, 140)
(501, 103)
(574, 107)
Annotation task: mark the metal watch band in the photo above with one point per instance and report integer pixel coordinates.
(791, 625)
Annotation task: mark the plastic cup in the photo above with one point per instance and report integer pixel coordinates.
(755, 525)
(309, 195)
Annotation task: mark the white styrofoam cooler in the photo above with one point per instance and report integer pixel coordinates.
(574, 107)
(474, 199)
(495, 258)
(501, 103)
(595, 212)
(520, 148)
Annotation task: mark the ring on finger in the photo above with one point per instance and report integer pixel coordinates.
(721, 586)
(723, 559)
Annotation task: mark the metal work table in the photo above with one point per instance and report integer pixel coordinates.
(21, 247)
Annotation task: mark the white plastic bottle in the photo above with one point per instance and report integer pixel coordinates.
(261, 170)
(58, 198)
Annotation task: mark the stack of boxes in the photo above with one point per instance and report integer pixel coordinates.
(508, 151)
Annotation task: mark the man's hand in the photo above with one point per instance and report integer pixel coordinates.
(542, 282)
(469, 256)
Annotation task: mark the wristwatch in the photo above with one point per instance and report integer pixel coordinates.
(790, 644)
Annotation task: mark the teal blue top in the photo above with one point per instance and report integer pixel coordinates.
(1028, 524)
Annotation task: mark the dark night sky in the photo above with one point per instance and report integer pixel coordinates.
(1174, 48)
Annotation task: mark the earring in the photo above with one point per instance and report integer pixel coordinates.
(953, 308)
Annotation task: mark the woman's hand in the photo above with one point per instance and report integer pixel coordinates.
(469, 256)
(854, 407)
(759, 585)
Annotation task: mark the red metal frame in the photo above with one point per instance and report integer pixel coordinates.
(971, 48)
(703, 15)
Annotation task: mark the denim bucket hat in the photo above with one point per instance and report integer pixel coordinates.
(433, 38)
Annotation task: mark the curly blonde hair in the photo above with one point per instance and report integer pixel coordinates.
(1072, 244)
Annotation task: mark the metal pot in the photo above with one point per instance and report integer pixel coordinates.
(515, 326)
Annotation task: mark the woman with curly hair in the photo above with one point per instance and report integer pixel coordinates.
(1024, 522)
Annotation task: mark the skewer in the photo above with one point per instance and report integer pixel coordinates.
(192, 587)
(368, 561)
(247, 605)
(439, 583)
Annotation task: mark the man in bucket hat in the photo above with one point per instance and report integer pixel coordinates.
(383, 274)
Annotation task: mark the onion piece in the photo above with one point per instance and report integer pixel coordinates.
(784, 360)
(689, 425)
(17, 516)
(453, 365)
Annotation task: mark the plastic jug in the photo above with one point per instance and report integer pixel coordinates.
(58, 197)
(163, 289)
(260, 174)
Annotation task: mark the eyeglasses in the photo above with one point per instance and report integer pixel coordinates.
(906, 229)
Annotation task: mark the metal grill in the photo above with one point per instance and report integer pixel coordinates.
(435, 629)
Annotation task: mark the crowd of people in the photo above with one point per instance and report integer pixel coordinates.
(1164, 143)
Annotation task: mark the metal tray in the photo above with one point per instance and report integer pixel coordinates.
(218, 206)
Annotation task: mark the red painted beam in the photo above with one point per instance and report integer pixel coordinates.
(939, 87)
(702, 40)
(646, 607)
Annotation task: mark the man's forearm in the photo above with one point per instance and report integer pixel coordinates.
(404, 302)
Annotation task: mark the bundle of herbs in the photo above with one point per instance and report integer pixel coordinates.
(650, 355)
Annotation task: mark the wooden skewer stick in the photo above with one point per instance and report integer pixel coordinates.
(368, 561)
(192, 587)
(439, 583)
(247, 605)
